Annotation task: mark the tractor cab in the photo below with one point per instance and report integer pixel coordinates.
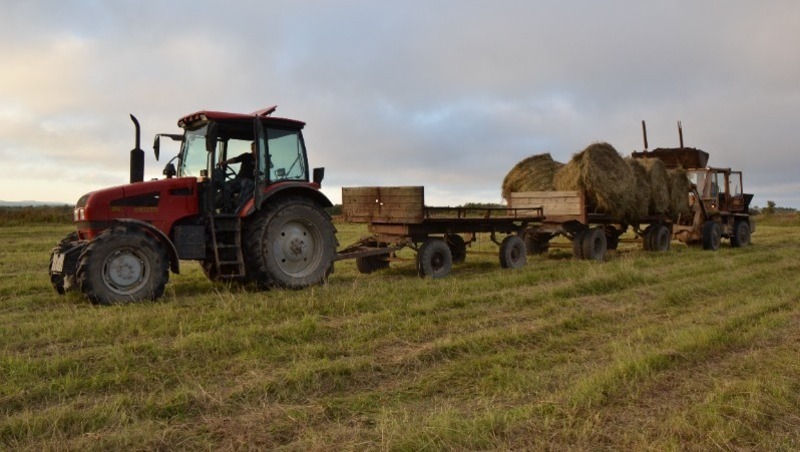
(720, 189)
(237, 158)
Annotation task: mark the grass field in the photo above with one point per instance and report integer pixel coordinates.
(681, 350)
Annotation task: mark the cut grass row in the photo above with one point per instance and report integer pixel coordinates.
(686, 349)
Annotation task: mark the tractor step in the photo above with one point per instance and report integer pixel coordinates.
(226, 237)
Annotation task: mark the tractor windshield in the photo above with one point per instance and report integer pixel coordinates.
(194, 157)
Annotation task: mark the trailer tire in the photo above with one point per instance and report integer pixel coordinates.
(434, 259)
(577, 243)
(537, 243)
(289, 243)
(660, 238)
(741, 234)
(371, 264)
(594, 244)
(712, 235)
(123, 265)
(458, 248)
(647, 238)
(513, 252)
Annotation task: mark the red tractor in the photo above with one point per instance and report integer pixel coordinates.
(239, 199)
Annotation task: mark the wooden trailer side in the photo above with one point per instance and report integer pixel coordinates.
(395, 205)
(557, 206)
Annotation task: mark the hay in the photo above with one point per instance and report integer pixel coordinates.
(642, 192)
(679, 187)
(535, 173)
(605, 178)
(659, 184)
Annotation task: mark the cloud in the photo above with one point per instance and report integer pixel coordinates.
(445, 94)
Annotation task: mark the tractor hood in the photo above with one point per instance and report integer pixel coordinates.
(159, 202)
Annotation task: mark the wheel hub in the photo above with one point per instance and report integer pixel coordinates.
(123, 271)
(295, 248)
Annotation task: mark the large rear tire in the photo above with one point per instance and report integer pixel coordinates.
(123, 265)
(290, 243)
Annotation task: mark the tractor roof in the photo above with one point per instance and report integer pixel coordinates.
(209, 115)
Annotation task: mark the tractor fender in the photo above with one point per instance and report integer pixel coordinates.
(174, 261)
(289, 189)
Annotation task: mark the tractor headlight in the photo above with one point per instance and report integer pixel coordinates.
(79, 214)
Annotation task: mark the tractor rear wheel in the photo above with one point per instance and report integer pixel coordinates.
(123, 265)
(741, 234)
(712, 235)
(290, 243)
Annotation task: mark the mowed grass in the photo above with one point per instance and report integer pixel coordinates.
(681, 350)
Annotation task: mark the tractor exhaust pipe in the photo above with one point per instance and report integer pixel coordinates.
(644, 134)
(137, 156)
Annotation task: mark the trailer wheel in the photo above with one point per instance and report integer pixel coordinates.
(290, 244)
(660, 238)
(370, 264)
(434, 259)
(594, 244)
(647, 238)
(123, 265)
(712, 235)
(577, 243)
(537, 243)
(741, 234)
(458, 248)
(513, 252)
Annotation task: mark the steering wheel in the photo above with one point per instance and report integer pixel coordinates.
(230, 173)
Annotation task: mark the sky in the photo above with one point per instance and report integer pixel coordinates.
(448, 94)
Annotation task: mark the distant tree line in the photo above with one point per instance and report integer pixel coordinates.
(20, 216)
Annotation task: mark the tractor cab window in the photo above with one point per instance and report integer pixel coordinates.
(698, 178)
(287, 157)
(194, 157)
(735, 179)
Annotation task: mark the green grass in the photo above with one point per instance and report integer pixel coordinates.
(681, 350)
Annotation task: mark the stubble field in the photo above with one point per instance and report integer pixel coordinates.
(680, 350)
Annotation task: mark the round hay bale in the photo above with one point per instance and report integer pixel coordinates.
(605, 178)
(659, 184)
(535, 173)
(641, 203)
(679, 192)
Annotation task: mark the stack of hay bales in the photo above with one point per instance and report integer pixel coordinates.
(659, 182)
(606, 179)
(679, 186)
(535, 173)
(641, 204)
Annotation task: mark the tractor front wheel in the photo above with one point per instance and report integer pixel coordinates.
(122, 265)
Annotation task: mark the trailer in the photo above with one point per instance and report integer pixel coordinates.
(591, 234)
(398, 218)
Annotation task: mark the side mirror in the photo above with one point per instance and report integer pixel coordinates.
(157, 147)
(319, 174)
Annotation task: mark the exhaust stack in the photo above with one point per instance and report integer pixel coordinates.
(137, 156)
